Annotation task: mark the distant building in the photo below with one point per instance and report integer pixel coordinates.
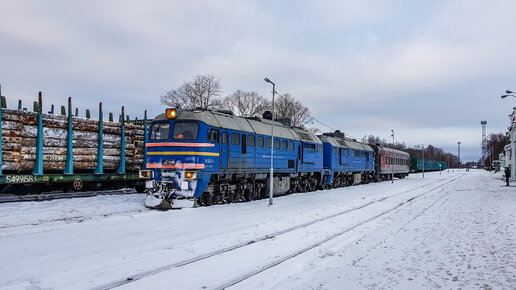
(508, 155)
(501, 157)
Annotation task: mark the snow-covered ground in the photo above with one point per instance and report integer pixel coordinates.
(456, 230)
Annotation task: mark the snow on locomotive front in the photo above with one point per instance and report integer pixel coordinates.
(180, 153)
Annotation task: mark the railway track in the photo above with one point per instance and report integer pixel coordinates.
(5, 198)
(256, 244)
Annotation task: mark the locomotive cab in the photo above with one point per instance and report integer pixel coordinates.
(177, 153)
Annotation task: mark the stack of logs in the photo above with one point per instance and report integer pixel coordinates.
(19, 137)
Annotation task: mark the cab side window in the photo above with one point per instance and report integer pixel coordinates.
(213, 135)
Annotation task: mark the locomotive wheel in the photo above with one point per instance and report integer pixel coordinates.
(140, 188)
(77, 184)
(207, 199)
(231, 197)
(248, 195)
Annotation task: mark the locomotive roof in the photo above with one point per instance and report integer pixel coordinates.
(255, 125)
(345, 143)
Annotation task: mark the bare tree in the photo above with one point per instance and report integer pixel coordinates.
(495, 144)
(315, 130)
(287, 107)
(246, 104)
(202, 92)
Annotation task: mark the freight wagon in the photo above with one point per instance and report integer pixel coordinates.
(47, 151)
(419, 164)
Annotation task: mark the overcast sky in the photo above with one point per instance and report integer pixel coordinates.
(429, 70)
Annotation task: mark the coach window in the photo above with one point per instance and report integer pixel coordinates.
(160, 131)
(259, 141)
(224, 137)
(250, 140)
(235, 139)
(284, 144)
(268, 142)
(213, 135)
(186, 131)
(277, 143)
(290, 145)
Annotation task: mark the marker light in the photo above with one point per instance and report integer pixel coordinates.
(171, 113)
(190, 175)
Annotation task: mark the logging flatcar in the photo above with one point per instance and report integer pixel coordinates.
(44, 152)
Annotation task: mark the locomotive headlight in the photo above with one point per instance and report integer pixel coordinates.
(145, 174)
(190, 175)
(171, 113)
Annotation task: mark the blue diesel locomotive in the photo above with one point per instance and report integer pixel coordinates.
(202, 157)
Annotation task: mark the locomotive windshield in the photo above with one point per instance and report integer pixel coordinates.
(186, 130)
(160, 131)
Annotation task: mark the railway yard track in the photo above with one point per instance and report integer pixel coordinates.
(308, 236)
(7, 198)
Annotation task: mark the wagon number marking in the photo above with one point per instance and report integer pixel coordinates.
(23, 178)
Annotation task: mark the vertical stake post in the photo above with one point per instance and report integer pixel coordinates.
(69, 143)
(38, 169)
(121, 168)
(0, 134)
(145, 141)
(100, 148)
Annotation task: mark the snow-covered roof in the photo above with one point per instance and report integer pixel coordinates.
(254, 125)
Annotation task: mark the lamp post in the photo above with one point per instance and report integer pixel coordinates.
(458, 149)
(271, 184)
(392, 163)
(440, 162)
(509, 94)
(513, 139)
(423, 151)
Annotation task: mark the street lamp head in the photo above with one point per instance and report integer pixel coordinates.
(267, 80)
(504, 96)
(509, 92)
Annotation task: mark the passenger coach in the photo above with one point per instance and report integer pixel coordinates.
(390, 161)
